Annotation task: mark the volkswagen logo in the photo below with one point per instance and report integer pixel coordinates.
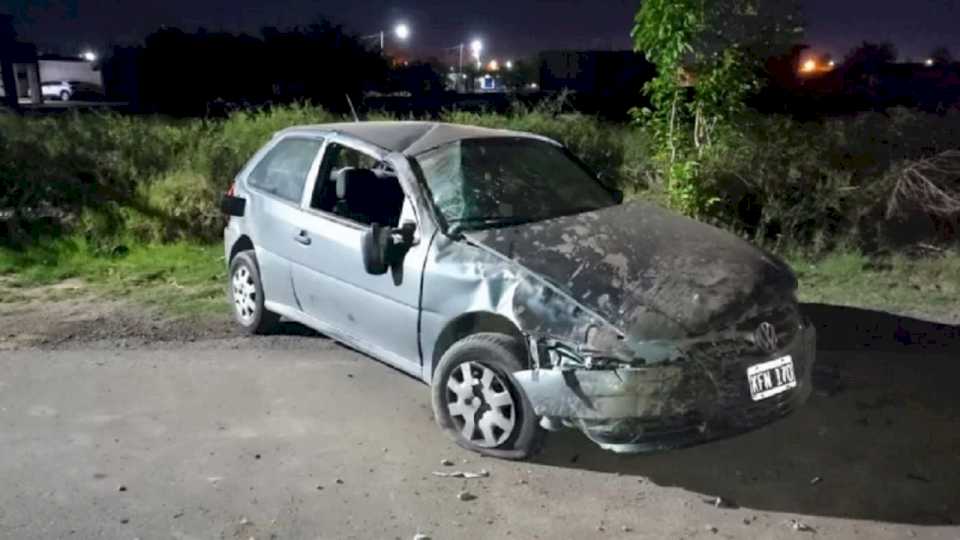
(765, 337)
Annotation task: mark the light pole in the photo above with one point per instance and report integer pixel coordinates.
(401, 31)
(476, 48)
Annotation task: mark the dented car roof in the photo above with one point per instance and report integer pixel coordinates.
(410, 137)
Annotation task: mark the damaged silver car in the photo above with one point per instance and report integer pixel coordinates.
(496, 267)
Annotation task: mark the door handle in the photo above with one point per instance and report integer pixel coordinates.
(303, 238)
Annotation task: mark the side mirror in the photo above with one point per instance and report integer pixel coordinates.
(382, 247)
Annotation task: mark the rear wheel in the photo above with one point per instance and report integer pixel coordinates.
(477, 401)
(64, 96)
(246, 295)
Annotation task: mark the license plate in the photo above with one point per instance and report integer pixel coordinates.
(771, 378)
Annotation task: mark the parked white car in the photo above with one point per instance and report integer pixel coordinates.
(67, 90)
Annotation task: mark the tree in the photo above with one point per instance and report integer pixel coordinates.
(942, 55)
(869, 57)
(708, 55)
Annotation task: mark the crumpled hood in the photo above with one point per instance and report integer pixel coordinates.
(630, 261)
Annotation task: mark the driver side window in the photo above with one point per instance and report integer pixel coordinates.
(357, 187)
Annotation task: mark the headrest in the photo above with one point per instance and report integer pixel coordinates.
(351, 179)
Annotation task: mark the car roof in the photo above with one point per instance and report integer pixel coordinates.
(409, 137)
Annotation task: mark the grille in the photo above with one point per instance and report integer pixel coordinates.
(784, 318)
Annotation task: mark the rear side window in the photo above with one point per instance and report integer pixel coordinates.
(283, 170)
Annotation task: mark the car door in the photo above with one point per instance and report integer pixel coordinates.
(377, 314)
(277, 183)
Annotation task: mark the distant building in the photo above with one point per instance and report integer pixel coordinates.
(19, 71)
(54, 68)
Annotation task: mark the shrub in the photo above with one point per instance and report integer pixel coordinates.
(785, 183)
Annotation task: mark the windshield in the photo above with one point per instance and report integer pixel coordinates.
(482, 183)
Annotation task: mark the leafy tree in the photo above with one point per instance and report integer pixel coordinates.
(709, 56)
(942, 55)
(869, 57)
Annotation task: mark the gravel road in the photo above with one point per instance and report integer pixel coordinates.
(295, 436)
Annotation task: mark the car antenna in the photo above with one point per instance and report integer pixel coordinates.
(352, 110)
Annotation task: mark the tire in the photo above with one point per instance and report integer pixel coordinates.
(64, 96)
(499, 420)
(246, 296)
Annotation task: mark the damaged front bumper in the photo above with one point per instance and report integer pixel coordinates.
(642, 409)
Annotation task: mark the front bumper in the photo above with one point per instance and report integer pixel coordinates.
(667, 406)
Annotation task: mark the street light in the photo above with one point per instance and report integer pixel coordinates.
(89, 56)
(401, 31)
(476, 47)
(509, 64)
(928, 62)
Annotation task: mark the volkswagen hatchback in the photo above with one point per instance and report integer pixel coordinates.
(494, 266)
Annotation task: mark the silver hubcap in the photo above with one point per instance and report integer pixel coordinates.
(480, 405)
(244, 294)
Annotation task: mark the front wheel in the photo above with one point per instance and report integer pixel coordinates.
(477, 401)
(246, 295)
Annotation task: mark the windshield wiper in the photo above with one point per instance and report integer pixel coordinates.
(491, 222)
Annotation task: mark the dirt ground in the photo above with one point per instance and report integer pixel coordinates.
(116, 422)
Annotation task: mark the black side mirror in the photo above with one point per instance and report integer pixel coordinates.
(382, 247)
(233, 206)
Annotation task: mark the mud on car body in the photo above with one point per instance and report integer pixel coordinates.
(494, 266)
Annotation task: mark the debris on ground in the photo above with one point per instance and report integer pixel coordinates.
(420, 536)
(466, 496)
(800, 526)
(720, 502)
(446, 463)
(710, 529)
(815, 480)
(463, 474)
(626, 529)
(121, 488)
(339, 480)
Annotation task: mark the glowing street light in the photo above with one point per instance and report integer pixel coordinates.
(508, 64)
(401, 31)
(928, 62)
(493, 65)
(476, 48)
(89, 56)
(832, 64)
(809, 66)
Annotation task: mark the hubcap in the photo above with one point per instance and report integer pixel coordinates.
(480, 405)
(244, 294)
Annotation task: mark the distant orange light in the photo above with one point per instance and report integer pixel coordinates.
(809, 66)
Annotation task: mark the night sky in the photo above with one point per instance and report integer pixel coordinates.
(509, 27)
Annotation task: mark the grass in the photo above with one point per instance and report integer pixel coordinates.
(188, 279)
(182, 279)
(921, 286)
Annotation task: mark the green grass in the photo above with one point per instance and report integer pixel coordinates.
(181, 278)
(922, 285)
(188, 279)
